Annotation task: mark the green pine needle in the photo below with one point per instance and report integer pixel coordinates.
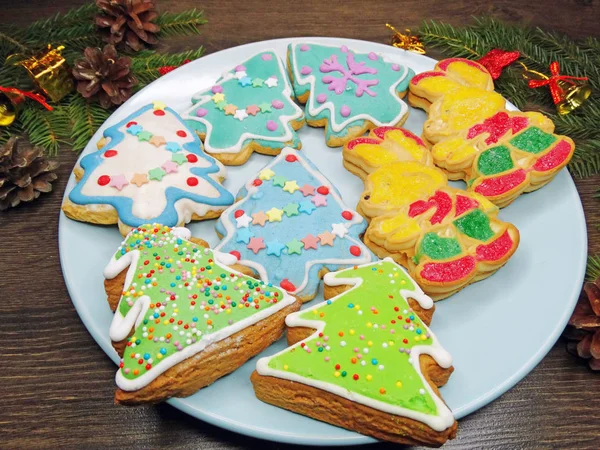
(146, 64)
(86, 118)
(593, 268)
(47, 129)
(180, 24)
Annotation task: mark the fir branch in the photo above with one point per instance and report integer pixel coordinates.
(180, 24)
(145, 66)
(86, 118)
(593, 268)
(45, 128)
(586, 159)
(11, 43)
(69, 23)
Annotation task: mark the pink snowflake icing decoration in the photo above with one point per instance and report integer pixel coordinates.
(338, 85)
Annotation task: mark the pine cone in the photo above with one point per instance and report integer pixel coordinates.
(24, 174)
(129, 20)
(102, 74)
(583, 332)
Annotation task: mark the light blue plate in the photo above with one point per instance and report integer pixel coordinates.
(497, 330)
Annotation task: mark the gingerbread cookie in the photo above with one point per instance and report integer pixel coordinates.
(250, 109)
(364, 359)
(290, 226)
(447, 238)
(184, 319)
(149, 167)
(499, 153)
(347, 92)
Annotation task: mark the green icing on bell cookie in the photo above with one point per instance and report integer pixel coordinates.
(476, 225)
(437, 247)
(367, 343)
(533, 140)
(495, 160)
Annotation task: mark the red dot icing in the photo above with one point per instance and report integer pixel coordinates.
(555, 157)
(238, 213)
(257, 182)
(291, 158)
(131, 123)
(287, 285)
(448, 271)
(355, 250)
(192, 158)
(110, 153)
(159, 112)
(347, 215)
(191, 181)
(236, 254)
(501, 184)
(495, 250)
(103, 180)
(323, 190)
(181, 133)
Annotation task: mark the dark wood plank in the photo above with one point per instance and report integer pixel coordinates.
(57, 383)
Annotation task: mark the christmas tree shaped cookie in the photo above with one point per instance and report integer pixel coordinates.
(249, 109)
(347, 92)
(364, 359)
(149, 167)
(184, 319)
(447, 238)
(499, 153)
(290, 226)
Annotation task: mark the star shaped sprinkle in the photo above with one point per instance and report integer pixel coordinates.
(156, 174)
(252, 110)
(256, 244)
(265, 107)
(118, 181)
(178, 158)
(240, 114)
(221, 105)
(339, 229)
(230, 109)
(139, 178)
(240, 74)
(310, 241)
(169, 167)
(326, 238)
(257, 82)
(307, 207)
(291, 186)
(279, 181)
(157, 141)
(243, 221)
(266, 174)
(173, 147)
(134, 129)
(144, 136)
(275, 214)
(294, 246)
(244, 235)
(274, 248)
(307, 190)
(218, 97)
(319, 200)
(291, 209)
(271, 82)
(158, 105)
(245, 81)
(259, 218)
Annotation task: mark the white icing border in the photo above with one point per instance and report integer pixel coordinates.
(121, 326)
(310, 79)
(285, 120)
(442, 421)
(230, 228)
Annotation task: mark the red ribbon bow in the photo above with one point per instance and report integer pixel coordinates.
(555, 89)
(32, 95)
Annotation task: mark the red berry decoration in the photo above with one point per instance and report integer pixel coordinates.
(347, 215)
(291, 158)
(192, 158)
(131, 123)
(238, 213)
(159, 112)
(103, 180)
(192, 181)
(323, 190)
(355, 250)
(287, 285)
(257, 182)
(181, 133)
(110, 153)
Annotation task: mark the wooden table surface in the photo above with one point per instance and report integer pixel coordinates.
(57, 384)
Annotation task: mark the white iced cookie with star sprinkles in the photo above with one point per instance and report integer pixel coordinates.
(148, 167)
(249, 109)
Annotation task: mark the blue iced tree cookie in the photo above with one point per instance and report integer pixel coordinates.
(149, 167)
(249, 109)
(290, 227)
(347, 92)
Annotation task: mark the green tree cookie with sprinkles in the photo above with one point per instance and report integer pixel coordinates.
(181, 308)
(249, 109)
(347, 92)
(369, 359)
